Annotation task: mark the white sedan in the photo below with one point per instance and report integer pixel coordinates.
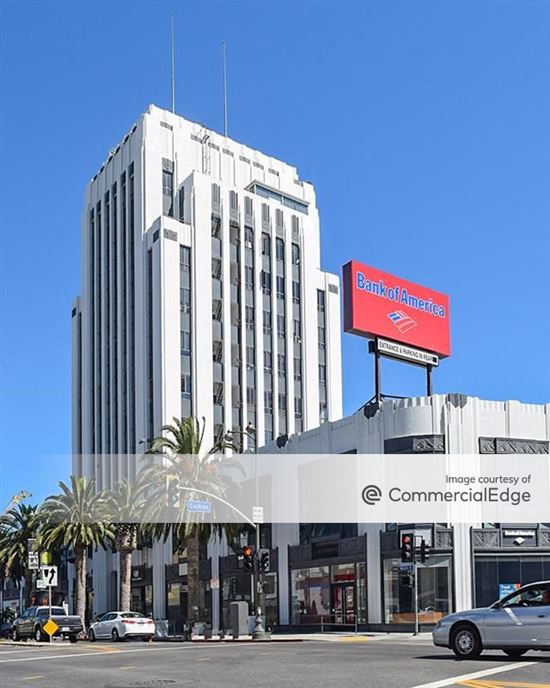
(121, 625)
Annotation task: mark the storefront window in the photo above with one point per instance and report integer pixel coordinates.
(176, 605)
(496, 576)
(434, 591)
(310, 594)
(332, 595)
(142, 599)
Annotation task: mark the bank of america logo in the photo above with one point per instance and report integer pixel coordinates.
(402, 321)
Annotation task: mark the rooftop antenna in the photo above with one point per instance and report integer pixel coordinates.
(172, 84)
(224, 90)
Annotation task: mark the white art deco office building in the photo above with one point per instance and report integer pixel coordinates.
(202, 294)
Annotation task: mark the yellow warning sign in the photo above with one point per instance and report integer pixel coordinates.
(50, 627)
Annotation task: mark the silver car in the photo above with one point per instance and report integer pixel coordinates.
(516, 623)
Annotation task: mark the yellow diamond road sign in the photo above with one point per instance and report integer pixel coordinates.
(50, 627)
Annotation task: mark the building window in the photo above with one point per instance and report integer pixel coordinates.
(320, 300)
(250, 396)
(297, 329)
(250, 355)
(280, 250)
(266, 245)
(296, 292)
(295, 254)
(267, 322)
(185, 299)
(298, 407)
(297, 368)
(268, 402)
(281, 364)
(280, 287)
(323, 374)
(185, 258)
(282, 402)
(266, 282)
(185, 343)
(167, 192)
(249, 237)
(186, 386)
(181, 204)
(249, 277)
(281, 325)
(268, 365)
(249, 317)
(321, 332)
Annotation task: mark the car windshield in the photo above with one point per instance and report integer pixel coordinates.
(132, 615)
(56, 611)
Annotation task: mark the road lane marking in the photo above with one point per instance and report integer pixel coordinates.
(31, 678)
(502, 684)
(87, 654)
(475, 674)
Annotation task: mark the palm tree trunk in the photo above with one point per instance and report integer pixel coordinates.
(193, 553)
(28, 587)
(80, 570)
(125, 580)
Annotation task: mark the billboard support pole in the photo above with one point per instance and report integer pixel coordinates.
(429, 380)
(377, 374)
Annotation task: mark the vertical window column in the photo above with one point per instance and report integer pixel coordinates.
(114, 329)
(322, 349)
(267, 318)
(217, 315)
(282, 403)
(250, 306)
(91, 269)
(107, 307)
(123, 315)
(185, 332)
(297, 330)
(131, 313)
(236, 305)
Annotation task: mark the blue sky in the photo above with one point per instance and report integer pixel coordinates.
(424, 127)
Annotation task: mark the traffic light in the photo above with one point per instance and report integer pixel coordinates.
(248, 558)
(424, 551)
(264, 560)
(407, 549)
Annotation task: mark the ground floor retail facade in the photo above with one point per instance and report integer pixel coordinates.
(350, 575)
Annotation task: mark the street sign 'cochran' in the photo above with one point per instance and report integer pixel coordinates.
(377, 304)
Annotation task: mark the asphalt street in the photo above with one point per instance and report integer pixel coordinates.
(382, 662)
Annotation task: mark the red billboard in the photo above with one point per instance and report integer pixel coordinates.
(377, 304)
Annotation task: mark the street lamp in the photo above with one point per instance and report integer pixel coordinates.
(259, 632)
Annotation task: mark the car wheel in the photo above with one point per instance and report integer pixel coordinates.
(73, 638)
(115, 636)
(147, 638)
(91, 636)
(515, 654)
(38, 635)
(15, 635)
(465, 642)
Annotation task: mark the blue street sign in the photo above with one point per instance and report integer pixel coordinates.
(204, 506)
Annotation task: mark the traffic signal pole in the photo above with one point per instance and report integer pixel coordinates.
(416, 619)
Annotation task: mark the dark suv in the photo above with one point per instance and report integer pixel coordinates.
(31, 624)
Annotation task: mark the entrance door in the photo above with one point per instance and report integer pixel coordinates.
(343, 603)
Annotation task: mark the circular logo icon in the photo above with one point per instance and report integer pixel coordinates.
(371, 494)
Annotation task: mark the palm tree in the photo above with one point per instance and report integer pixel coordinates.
(77, 518)
(17, 526)
(187, 466)
(127, 503)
